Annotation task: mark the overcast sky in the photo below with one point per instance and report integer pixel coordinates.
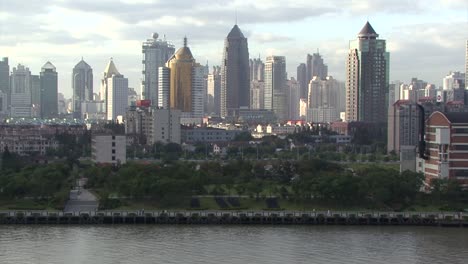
(426, 38)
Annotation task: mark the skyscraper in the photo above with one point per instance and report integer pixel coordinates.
(5, 80)
(114, 88)
(316, 67)
(466, 66)
(20, 92)
(275, 97)
(293, 97)
(185, 89)
(156, 53)
(302, 80)
(35, 96)
(235, 77)
(49, 91)
(214, 91)
(323, 100)
(82, 84)
(257, 70)
(367, 78)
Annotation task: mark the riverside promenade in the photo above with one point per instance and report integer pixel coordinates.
(446, 219)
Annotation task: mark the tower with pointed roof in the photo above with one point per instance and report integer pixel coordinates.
(235, 74)
(49, 91)
(181, 83)
(114, 92)
(82, 84)
(367, 78)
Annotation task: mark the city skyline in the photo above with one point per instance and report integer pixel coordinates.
(417, 34)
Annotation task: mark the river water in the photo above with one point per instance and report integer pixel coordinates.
(231, 244)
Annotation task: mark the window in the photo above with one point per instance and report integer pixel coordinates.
(113, 157)
(113, 144)
(113, 151)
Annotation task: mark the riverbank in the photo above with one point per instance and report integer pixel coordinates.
(453, 219)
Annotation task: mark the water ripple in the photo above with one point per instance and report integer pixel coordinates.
(231, 244)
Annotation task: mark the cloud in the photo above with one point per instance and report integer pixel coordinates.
(269, 37)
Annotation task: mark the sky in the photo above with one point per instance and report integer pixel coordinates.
(426, 38)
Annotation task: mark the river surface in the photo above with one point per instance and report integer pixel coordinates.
(231, 244)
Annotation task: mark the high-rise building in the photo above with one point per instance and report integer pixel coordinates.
(198, 90)
(185, 89)
(114, 87)
(323, 100)
(156, 52)
(275, 97)
(5, 80)
(316, 67)
(164, 86)
(466, 66)
(35, 96)
(49, 91)
(20, 92)
(454, 80)
(257, 70)
(235, 77)
(213, 100)
(403, 125)
(367, 78)
(82, 84)
(293, 98)
(257, 92)
(302, 80)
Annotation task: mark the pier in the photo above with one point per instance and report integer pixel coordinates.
(446, 219)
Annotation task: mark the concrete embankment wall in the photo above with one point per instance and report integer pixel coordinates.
(239, 218)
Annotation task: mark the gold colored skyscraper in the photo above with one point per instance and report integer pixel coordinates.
(181, 65)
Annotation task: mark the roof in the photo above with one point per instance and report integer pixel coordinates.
(235, 33)
(367, 31)
(48, 66)
(184, 53)
(82, 64)
(457, 117)
(111, 69)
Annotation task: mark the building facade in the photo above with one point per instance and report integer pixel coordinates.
(403, 125)
(21, 92)
(323, 100)
(115, 89)
(257, 70)
(235, 76)
(316, 67)
(367, 78)
(213, 100)
(166, 126)
(156, 52)
(447, 146)
(5, 79)
(109, 149)
(82, 84)
(275, 96)
(49, 91)
(302, 80)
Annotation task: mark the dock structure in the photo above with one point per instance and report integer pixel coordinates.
(453, 219)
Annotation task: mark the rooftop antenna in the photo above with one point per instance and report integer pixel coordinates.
(236, 16)
(185, 41)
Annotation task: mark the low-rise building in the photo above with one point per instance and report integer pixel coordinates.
(208, 134)
(447, 147)
(110, 149)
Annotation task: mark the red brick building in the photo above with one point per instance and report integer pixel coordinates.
(447, 147)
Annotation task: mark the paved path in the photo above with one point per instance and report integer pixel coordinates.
(81, 200)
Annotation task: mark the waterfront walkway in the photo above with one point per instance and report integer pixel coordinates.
(81, 200)
(453, 219)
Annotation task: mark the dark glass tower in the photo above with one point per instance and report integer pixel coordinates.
(235, 75)
(82, 81)
(49, 91)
